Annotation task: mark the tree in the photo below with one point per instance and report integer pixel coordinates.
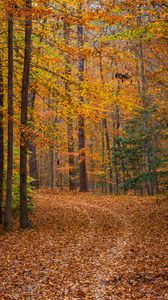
(33, 168)
(144, 97)
(81, 122)
(70, 138)
(7, 223)
(1, 138)
(105, 129)
(24, 223)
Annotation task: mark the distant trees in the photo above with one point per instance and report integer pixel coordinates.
(113, 89)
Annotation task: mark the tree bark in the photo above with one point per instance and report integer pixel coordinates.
(24, 223)
(1, 139)
(8, 208)
(81, 122)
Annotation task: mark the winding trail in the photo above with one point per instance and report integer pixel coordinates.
(85, 246)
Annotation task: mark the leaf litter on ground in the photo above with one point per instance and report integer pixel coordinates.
(86, 246)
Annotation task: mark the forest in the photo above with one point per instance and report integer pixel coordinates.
(83, 149)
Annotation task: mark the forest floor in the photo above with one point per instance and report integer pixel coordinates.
(86, 246)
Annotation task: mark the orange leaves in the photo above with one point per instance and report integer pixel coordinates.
(119, 132)
(86, 246)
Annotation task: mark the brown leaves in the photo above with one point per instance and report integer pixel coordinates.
(86, 246)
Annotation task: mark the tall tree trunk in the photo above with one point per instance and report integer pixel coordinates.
(24, 104)
(81, 122)
(145, 124)
(52, 166)
(1, 138)
(71, 159)
(104, 123)
(146, 145)
(7, 223)
(33, 167)
(103, 177)
(140, 165)
(108, 155)
(116, 126)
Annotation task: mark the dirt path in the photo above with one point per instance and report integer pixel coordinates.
(85, 246)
